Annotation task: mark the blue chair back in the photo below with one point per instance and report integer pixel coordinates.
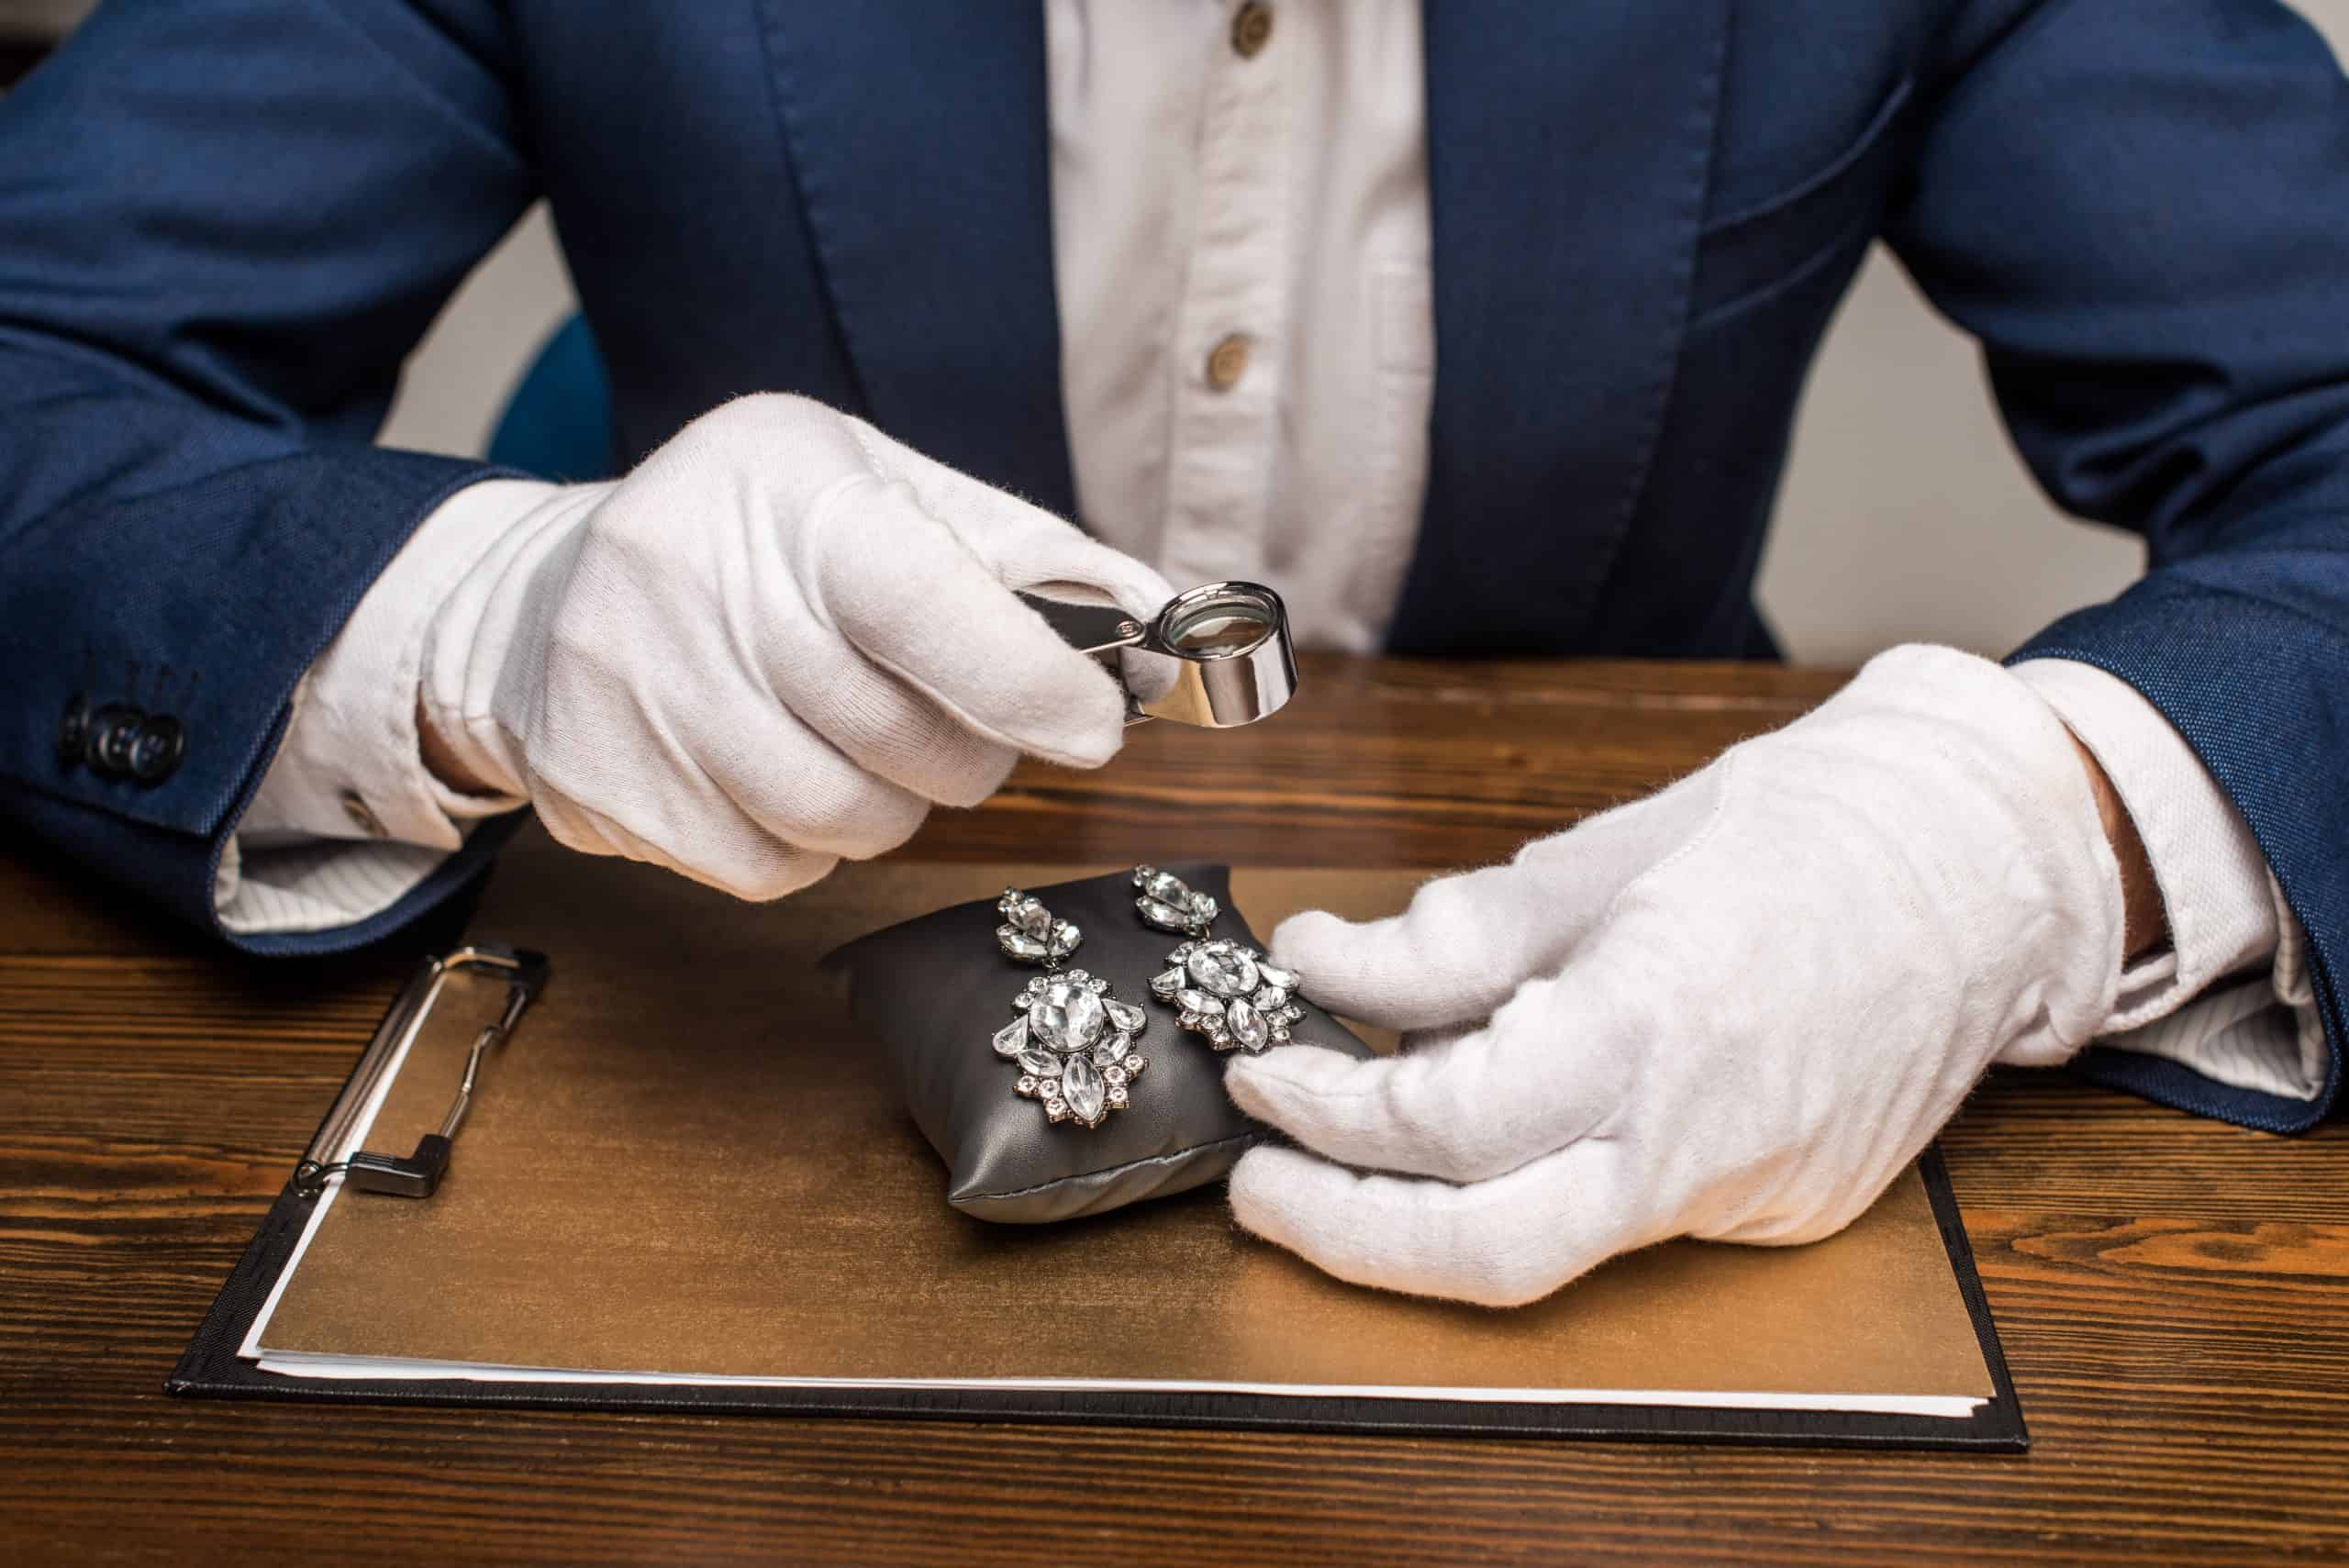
(558, 424)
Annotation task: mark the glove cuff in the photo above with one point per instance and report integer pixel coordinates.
(1978, 725)
(504, 534)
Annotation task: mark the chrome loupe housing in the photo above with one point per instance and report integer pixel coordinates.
(1218, 656)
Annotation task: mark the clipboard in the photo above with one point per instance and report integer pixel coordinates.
(524, 1044)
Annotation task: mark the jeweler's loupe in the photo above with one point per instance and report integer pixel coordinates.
(1217, 657)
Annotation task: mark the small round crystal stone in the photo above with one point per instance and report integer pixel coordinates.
(1223, 968)
(1066, 1016)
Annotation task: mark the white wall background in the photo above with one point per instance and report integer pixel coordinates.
(1905, 513)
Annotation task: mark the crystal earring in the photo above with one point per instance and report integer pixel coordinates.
(1227, 991)
(1073, 1043)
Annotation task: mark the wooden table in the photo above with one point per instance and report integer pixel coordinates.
(2174, 1294)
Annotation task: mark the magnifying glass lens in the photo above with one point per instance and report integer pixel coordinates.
(1226, 623)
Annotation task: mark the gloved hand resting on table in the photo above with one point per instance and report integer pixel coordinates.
(774, 644)
(1735, 1009)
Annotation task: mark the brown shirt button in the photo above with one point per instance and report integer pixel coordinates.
(1227, 361)
(1252, 28)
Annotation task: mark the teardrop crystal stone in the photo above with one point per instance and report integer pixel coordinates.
(1249, 1030)
(1019, 943)
(1198, 1002)
(1086, 1095)
(1127, 1021)
(1044, 1065)
(1165, 917)
(1223, 968)
(1166, 887)
(1067, 1016)
(1272, 974)
(1164, 986)
(1013, 1038)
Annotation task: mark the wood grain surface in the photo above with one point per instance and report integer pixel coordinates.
(2174, 1294)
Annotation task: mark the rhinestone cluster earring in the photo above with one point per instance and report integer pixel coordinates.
(1073, 1043)
(1226, 991)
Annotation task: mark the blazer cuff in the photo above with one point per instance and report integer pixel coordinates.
(2250, 683)
(2227, 996)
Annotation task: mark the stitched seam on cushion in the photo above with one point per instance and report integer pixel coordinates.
(1115, 1170)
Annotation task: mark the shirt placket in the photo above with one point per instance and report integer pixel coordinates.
(1230, 329)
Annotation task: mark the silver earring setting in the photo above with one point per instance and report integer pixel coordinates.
(1073, 1043)
(1225, 990)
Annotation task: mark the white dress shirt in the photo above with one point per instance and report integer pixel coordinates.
(1242, 255)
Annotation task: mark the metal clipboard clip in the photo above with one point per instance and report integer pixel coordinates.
(419, 1174)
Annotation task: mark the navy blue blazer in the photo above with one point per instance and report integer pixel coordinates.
(224, 222)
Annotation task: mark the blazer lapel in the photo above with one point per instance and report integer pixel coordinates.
(1568, 155)
(919, 136)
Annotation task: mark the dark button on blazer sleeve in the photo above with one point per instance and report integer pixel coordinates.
(222, 226)
(2143, 211)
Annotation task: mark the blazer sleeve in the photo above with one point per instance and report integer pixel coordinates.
(2142, 212)
(222, 226)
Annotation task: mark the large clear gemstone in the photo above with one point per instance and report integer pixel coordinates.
(1067, 1016)
(1082, 1087)
(1223, 968)
(1013, 1038)
(1249, 1030)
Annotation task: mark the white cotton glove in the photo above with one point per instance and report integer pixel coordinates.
(1735, 1009)
(774, 645)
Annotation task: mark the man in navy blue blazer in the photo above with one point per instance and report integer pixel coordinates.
(1477, 327)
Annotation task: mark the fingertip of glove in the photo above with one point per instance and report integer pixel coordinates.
(1260, 1181)
(1307, 940)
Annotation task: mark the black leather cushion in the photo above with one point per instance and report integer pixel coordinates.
(934, 991)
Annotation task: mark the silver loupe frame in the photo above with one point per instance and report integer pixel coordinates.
(1217, 657)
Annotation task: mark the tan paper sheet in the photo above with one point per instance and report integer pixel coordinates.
(688, 1163)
